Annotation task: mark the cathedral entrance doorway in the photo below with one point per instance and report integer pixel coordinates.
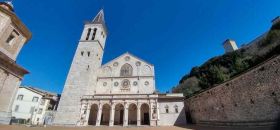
(93, 115)
(119, 113)
(145, 118)
(132, 114)
(105, 117)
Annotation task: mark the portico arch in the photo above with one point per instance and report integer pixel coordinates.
(145, 114)
(132, 114)
(119, 114)
(105, 116)
(93, 114)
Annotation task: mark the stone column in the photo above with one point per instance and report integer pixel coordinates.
(125, 121)
(91, 34)
(138, 115)
(151, 114)
(99, 113)
(87, 114)
(158, 118)
(112, 115)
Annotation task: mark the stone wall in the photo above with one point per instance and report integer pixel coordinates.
(252, 98)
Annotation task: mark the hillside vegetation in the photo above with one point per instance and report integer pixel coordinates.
(222, 68)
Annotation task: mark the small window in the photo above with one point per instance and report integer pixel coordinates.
(88, 53)
(82, 53)
(20, 97)
(42, 102)
(10, 39)
(35, 99)
(16, 108)
(166, 109)
(32, 110)
(38, 119)
(40, 111)
(176, 108)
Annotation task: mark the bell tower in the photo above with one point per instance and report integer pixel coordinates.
(82, 76)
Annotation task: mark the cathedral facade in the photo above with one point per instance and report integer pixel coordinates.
(120, 92)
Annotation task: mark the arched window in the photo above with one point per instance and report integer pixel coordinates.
(126, 70)
(93, 35)
(166, 109)
(89, 30)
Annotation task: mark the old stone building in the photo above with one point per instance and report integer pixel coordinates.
(13, 35)
(120, 92)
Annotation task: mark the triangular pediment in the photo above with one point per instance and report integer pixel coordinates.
(123, 56)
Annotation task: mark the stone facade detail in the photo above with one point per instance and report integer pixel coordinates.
(252, 98)
(13, 35)
(120, 92)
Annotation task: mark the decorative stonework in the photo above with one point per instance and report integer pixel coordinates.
(116, 84)
(147, 83)
(127, 58)
(125, 84)
(135, 83)
(115, 64)
(138, 63)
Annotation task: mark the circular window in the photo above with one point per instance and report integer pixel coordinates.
(146, 83)
(116, 64)
(135, 83)
(138, 63)
(116, 84)
(127, 58)
(125, 84)
(105, 84)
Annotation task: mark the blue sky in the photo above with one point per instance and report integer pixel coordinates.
(174, 35)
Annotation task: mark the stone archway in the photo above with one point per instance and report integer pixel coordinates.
(93, 115)
(105, 116)
(145, 114)
(119, 114)
(132, 114)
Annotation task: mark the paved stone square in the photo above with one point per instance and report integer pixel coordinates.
(15, 127)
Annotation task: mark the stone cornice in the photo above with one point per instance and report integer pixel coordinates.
(125, 77)
(10, 66)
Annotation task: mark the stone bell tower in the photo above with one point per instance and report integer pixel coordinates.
(82, 76)
(13, 35)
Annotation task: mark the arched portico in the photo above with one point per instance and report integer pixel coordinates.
(119, 114)
(123, 113)
(93, 114)
(145, 114)
(105, 116)
(132, 114)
